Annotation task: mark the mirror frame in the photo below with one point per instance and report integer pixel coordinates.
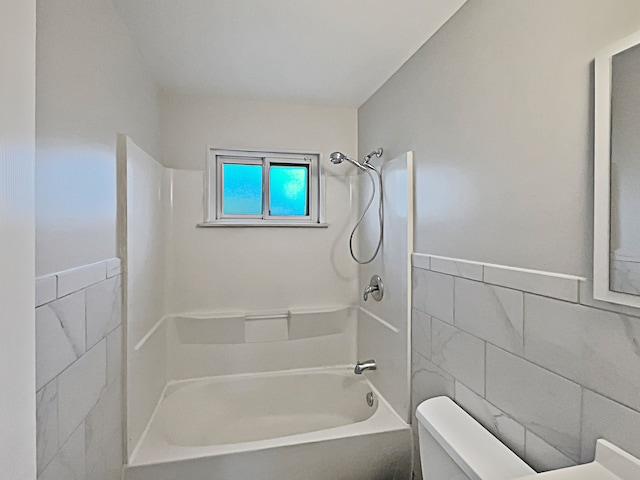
(602, 175)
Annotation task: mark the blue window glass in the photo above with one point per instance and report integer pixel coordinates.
(242, 189)
(289, 190)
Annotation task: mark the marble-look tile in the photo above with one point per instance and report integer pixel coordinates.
(421, 333)
(457, 268)
(47, 424)
(70, 311)
(80, 387)
(502, 426)
(543, 402)
(103, 434)
(625, 277)
(492, 313)
(114, 267)
(433, 294)
(419, 260)
(114, 356)
(564, 287)
(104, 309)
(69, 462)
(586, 298)
(604, 418)
(46, 289)
(459, 354)
(596, 349)
(76, 279)
(428, 380)
(58, 339)
(543, 457)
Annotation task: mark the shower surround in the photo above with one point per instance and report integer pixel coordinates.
(182, 328)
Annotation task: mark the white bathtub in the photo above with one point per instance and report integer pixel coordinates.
(290, 425)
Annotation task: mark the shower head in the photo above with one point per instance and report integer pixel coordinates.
(377, 153)
(337, 157)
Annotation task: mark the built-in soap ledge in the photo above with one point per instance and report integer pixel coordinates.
(261, 327)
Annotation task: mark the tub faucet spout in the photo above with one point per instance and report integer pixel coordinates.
(366, 365)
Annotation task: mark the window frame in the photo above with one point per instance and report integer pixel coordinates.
(214, 183)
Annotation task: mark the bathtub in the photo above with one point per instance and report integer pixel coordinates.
(307, 424)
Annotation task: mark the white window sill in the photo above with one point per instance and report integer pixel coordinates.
(261, 224)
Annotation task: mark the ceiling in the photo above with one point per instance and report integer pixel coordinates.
(327, 52)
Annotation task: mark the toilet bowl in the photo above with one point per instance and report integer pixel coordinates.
(453, 446)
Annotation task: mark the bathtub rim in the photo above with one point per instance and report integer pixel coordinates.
(384, 419)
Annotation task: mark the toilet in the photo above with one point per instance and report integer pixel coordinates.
(453, 446)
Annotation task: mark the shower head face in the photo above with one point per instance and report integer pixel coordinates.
(337, 157)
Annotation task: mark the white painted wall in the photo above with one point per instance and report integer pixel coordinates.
(497, 107)
(143, 190)
(17, 324)
(91, 84)
(249, 269)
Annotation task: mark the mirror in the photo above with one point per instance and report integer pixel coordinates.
(617, 173)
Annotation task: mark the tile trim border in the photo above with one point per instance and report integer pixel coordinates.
(60, 284)
(568, 288)
(548, 284)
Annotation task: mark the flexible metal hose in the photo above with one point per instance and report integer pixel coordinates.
(366, 209)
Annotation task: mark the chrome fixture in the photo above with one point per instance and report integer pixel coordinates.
(366, 365)
(375, 288)
(338, 157)
(370, 399)
(377, 153)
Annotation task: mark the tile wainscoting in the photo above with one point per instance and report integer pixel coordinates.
(79, 373)
(531, 355)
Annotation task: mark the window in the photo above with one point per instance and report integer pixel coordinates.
(262, 189)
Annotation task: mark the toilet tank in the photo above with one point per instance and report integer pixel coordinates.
(453, 446)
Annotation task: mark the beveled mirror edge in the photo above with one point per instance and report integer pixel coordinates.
(602, 174)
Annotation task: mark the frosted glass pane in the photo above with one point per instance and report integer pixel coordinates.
(288, 190)
(242, 189)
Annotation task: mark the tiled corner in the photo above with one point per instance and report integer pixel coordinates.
(114, 356)
(79, 373)
(594, 348)
(433, 294)
(543, 457)
(46, 424)
(421, 261)
(79, 278)
(604, 418)
(421, 333)
(490, 312)
(103, 434)
(104, 309)
(543, 402)
(114, 267)
(564, 287)
(459, 354)
(428, 380)
(472, 271)
(510, 432)
(46, 289)
(80, 387)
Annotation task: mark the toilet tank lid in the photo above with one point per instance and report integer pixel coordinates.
(475, 450)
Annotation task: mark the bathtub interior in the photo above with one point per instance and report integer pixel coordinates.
(248, 408)
(223, 415)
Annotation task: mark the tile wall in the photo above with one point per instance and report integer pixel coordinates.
(79, 373)
(531, 355)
